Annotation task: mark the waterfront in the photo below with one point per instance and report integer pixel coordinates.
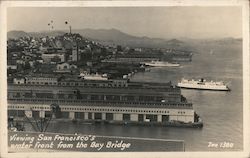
(221, 111)
(48, 55)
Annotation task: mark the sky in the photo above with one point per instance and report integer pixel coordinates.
(155, 22)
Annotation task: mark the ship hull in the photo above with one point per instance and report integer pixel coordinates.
(203, 88)
(163, 65)
(95, 78)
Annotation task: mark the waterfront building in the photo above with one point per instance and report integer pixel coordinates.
(129, 60)
(19, 80)
(11, 65)
(114, 101)
(41, 80)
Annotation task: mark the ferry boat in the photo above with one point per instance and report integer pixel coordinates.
(96, 76)
(162, 64)
(203, 85)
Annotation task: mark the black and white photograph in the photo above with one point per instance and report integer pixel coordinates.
(149, 78)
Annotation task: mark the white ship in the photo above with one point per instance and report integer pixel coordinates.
(96, 76)
(203, 85)
(162, 64)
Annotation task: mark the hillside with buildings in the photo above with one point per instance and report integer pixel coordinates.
(109, 37)
(75, 56)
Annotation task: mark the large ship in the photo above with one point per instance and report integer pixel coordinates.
(96, 76)
(203, 85)
(162, 64)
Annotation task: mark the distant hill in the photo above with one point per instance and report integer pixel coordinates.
(175, 42)
(105, 34)
(16, 34)
(108, 36)
(114, 36)
(46, 33)
(228, 40)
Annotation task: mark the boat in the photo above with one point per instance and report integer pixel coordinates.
(162, 64)
(96, 76)
(202, 84)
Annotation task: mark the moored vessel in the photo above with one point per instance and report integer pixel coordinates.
(96, 76)
(162, 64)
(202, 84)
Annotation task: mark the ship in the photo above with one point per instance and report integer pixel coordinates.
(202, 84)
(116, 101)
(96, 76)
(161, 64)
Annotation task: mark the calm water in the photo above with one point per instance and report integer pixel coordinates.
(220, 111)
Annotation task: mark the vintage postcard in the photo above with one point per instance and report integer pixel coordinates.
(123, 78)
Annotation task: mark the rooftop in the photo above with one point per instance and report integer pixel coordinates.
(104, 103)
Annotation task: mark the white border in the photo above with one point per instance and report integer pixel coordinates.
(3, 78)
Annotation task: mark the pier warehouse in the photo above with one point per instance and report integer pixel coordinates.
(113, 101)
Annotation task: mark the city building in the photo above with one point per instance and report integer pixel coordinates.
(47, 57)
(74, 55)
(65, 67)
(19, 80)
(11, 65)
(41, 80)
